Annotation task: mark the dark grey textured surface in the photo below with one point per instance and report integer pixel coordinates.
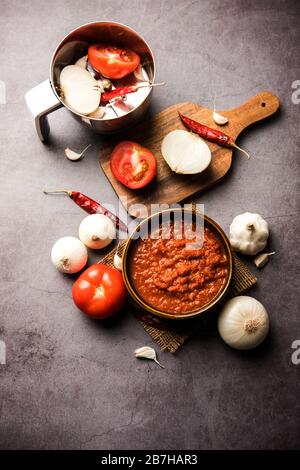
(71, 383)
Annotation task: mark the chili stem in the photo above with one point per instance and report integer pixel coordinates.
(58, 191)
(241, 150)
(85, 149)
(150, 85)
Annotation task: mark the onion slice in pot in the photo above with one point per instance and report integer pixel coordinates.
(185, 153)
(80, 91)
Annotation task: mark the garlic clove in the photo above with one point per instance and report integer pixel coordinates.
(118, 262)
(106, 84)
(146, 352)
(262, 259)
(219, 119)
(74, 156)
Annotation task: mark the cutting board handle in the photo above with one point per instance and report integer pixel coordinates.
(260, 106)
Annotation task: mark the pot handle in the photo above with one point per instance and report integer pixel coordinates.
(41, 101)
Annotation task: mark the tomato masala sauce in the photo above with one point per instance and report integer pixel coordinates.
(178, 274)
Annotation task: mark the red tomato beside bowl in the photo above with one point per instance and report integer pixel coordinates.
(99, 291)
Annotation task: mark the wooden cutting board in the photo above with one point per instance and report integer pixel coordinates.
(168, 187)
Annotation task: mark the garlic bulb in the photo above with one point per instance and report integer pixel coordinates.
(248, 233)
(185, 153)
(243, 323)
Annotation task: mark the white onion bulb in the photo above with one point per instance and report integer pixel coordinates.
(69, 255)
(243, 322)
(97, 231)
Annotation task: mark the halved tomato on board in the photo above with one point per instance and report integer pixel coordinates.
(132, 165)
(111, 61)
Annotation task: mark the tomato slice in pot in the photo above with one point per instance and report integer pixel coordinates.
(111, 61)
(132, 165)
(99, 291)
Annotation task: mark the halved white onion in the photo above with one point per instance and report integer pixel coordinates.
(185, 152)
(80, 90)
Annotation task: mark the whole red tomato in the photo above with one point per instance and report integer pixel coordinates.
(111, 61)
(99, 291)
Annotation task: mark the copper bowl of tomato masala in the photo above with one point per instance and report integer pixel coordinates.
(177, 264)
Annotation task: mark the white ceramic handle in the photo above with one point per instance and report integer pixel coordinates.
(41, 101)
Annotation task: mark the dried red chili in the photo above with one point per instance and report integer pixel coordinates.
(90, 206)
(213, 135)
(125, 90)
